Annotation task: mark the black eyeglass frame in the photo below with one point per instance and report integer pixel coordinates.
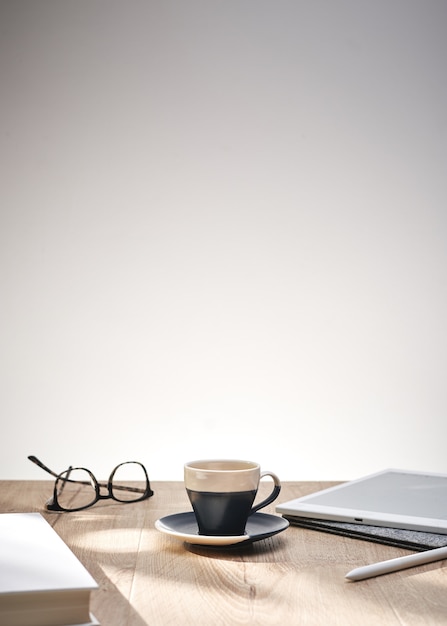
(54, 505)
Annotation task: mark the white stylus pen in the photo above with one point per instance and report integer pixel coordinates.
(393, 565)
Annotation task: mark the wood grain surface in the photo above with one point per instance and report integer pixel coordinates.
(295, 577)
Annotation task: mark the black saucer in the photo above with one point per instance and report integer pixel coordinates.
(183, 526)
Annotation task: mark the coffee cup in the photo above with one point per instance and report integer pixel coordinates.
(222, 493)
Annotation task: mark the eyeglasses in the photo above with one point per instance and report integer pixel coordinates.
(77, 488)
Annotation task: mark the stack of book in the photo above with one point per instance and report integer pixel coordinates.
(42, 583)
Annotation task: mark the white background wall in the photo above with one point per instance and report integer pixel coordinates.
(223, 233)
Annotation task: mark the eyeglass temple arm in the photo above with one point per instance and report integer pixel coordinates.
(35, 460)
(65, 479)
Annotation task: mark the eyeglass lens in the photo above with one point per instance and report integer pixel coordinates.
(75, 489)
(126, 479)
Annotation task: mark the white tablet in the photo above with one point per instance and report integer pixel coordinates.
(393, 498)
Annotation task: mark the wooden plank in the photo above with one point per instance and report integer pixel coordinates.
(296, 577)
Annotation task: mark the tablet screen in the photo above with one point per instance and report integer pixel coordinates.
(390, 496)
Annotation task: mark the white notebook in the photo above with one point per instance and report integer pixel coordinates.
(42, 583)
(393, 498)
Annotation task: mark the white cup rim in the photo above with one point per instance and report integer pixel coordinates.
(222, 475)
(222, 465)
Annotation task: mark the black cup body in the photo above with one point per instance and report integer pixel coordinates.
(222, 514)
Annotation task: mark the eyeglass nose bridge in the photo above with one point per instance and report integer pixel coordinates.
(104, 496)
(97, 485)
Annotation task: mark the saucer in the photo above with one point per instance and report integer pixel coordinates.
(183, 526)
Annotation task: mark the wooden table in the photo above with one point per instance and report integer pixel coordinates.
(296, 577)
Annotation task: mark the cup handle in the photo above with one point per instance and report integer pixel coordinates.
(274, 494)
